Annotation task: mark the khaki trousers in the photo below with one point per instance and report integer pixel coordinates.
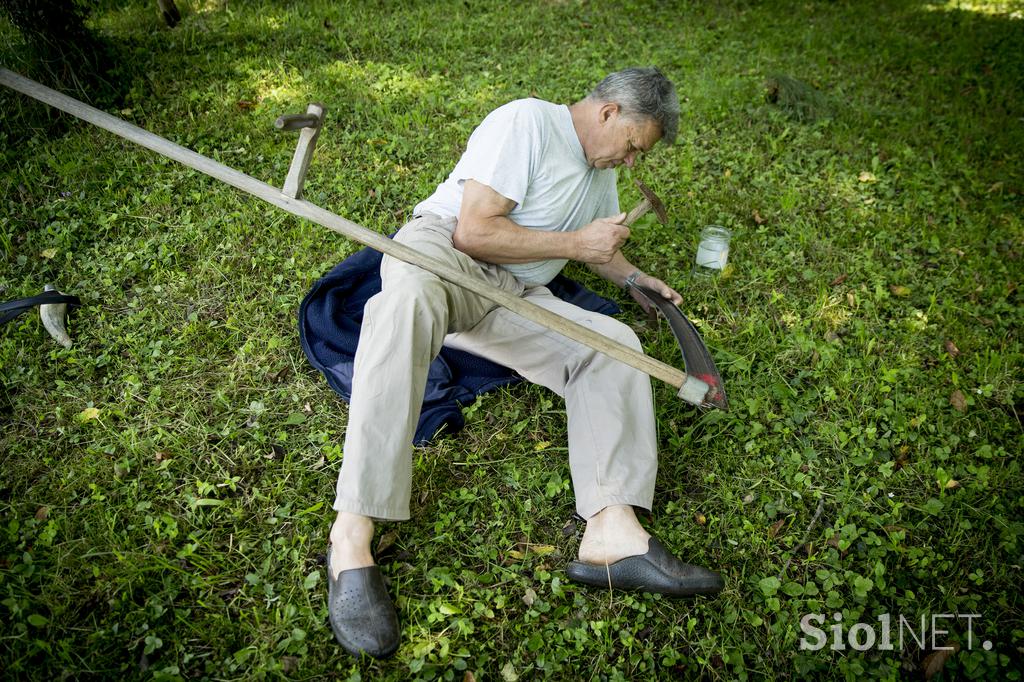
(612, 448)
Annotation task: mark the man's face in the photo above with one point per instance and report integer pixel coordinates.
(622, 140)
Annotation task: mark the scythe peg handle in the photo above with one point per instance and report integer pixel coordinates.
(296, 121)
(303, 151)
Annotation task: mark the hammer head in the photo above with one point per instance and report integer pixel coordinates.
(659, 208)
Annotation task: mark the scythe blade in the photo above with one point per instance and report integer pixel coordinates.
(696, 357)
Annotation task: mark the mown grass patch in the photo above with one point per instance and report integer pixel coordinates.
(166, 482)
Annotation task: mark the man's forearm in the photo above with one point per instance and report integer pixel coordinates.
(616, 270)
(500, 240)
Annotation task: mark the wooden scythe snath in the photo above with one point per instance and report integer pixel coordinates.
(691, 389)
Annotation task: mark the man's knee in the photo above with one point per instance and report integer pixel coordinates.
(616, 331)
(417, 301)
(586, 358)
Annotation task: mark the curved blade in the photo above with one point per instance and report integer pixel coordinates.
(696, 357)
(53, 316)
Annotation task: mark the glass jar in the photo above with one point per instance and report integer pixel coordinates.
(712, 252)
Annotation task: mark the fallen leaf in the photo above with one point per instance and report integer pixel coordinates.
(757, 218)
(700, 519)
(289, 664)
(278, 376)
(774, 529)
(899, 290)
(902, 458)
(952, 484)
(229, 593)
(935, 661)
(469, 677)
(386, 541)
(524, 549)
(958, 401)
(49, 254)
(245, 104)
(508, 672)
(529, 597)
(88, 413)
(42, 513)
(851, 299)
(867, 176)
(840, 279)
(952, 349)
(541, 445)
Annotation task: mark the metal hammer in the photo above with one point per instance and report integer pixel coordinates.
(649, 202)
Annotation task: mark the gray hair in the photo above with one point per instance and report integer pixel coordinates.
(642, 93)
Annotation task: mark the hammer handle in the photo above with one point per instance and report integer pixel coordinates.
(638, 211)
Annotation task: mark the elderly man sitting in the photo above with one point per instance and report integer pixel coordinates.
(535, 188)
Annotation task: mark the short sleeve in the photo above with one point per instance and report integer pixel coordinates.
(609, 203)
(502, 150)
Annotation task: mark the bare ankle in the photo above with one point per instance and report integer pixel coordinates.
(350, 527)
(351, 536)
(612, 534)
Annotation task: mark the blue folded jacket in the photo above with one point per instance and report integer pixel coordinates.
(329, 320)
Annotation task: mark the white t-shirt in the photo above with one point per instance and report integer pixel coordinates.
(528, 151)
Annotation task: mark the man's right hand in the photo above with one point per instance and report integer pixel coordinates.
(599, 241)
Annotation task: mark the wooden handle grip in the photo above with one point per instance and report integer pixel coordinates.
(296, 121)
(638, 211)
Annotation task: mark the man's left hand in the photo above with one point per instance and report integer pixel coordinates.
(658, 286)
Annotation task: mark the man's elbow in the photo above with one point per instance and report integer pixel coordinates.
(466, 239)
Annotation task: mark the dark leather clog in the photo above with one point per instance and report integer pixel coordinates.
(361, 613)
(657, 572)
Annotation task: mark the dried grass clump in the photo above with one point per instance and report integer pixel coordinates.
(798, 99)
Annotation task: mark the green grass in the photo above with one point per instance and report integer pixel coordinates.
(165, 485)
